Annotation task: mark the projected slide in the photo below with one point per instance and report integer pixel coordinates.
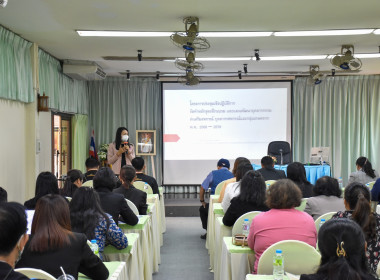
(218, 120)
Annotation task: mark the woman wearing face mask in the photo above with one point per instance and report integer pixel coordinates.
(13, 238)
(120, 152)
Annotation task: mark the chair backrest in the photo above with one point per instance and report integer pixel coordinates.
(35, 273)
(268, 183)
(326, 216)
(219, 187)
(238, 225)
(370, 185)
(274, 150)
(299, 258)
(88, 183)
(69, 198)
(303, 205)
(143, 186)
(133, 207)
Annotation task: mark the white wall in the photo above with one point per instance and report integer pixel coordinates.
(13, 167)
(45, 134)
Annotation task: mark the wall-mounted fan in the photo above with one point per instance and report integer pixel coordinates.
(345, 60)
(189, 63)
(189, 40)
(189, 79)
(316, 77)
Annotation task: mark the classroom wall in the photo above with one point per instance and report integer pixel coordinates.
(45, 138)
(13, 148)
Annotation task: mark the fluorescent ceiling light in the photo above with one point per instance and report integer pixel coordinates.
(377, 31)
(223, 58)
(123, 34)
(296, 57)
(325, 32)
(235, 34)
(367, 55)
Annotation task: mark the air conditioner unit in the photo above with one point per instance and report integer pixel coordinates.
(85, 72)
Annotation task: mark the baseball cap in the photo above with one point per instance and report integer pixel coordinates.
(224, 163)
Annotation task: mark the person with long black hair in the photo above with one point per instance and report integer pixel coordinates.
(251, 198)
(357, 202)
(342, 246)
(121, 151)
(88, 217)
(46, 183)
(297, 173)
(365, 173)
(73, 181)
(138, 197)
(52, 244)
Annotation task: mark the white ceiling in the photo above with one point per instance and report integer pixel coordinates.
(52, 24)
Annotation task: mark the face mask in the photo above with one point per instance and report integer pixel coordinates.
(124, 138)
(19, 251)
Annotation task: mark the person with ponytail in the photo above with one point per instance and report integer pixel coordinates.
(342, 245)
(73, 181)
(364, 173)
(127, 177)
(357, 202)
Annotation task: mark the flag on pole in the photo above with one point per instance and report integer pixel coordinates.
(93, 152)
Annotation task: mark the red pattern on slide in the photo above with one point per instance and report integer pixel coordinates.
(171, 138)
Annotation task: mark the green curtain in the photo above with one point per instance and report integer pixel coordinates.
(342, 113)
(65, 94)
(135, 104)
(80, 141)
(16, 81)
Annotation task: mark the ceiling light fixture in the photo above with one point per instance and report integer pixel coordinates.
(325, 32)
(294, 57)
(235, 34)
(376, 32)
(99, 33)
(139, 55)
(239, 75)
(223, 58)
(257, 54)
(245, 67)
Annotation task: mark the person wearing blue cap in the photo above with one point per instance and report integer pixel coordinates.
(221, 174)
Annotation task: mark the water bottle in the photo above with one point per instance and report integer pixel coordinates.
(278, 266)
(246, 227)
(94, 247)
(322, 222)
(340, 182)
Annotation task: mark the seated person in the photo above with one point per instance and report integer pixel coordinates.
(221, 174)
(327, 198)
(112, 203)
(268, 171)
(375, 191)
(52, 243)
(251, 198)
(358, 208)
(232, 180)
(46, 183)
(3, 195)
(233, 189)
(297, 173)
(139, 165)
(282, 221)
(73, 181)
(342, 246)
(88, 217)
(138, 197)
(364, 173)
(13, 238)
(92, 166)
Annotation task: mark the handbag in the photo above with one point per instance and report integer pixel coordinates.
(240, 240)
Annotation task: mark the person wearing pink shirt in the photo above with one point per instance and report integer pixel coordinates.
(282, 222)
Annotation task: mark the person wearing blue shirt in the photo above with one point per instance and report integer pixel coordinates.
(221, 174)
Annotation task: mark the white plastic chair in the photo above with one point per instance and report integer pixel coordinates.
(303, 205)
(69, 198)
(219, 187)
(35, 273)
(268, 183)
(132, 206)
(238, 225)
(326, 216)
(299, 258)
(370, 185)
(143, 186)
(88, 183)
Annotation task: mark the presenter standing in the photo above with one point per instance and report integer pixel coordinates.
(120, 152)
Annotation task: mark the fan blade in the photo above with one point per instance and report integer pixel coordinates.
(355, 64)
